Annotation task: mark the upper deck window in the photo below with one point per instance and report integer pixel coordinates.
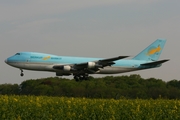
(17, 54)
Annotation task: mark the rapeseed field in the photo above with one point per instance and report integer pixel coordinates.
(63, 108)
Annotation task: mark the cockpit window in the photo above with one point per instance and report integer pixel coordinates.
(17, 54)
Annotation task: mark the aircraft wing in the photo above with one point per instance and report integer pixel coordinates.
(155, 62)
(100, 63)
(113, 59)
(90, 66)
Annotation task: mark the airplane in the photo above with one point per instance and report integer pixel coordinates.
(81, 67)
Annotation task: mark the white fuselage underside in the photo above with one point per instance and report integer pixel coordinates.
(49, 67)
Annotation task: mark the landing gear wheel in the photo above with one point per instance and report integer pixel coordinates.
(22, 74)
(76, 78)
(80, 77)
(86, 77)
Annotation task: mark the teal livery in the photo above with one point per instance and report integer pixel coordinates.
(152, 52)
(81, 67)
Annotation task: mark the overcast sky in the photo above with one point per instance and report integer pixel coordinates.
(89, 28)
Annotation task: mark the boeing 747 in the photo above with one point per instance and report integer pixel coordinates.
(81, 67)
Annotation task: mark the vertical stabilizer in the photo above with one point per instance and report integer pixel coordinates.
(152, 52)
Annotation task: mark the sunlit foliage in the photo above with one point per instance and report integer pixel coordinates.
(62, 108)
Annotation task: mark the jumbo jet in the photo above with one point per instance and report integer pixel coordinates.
(81, 67)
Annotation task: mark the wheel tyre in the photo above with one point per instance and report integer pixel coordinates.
(81, 78)
(22, 74)
(76, 78)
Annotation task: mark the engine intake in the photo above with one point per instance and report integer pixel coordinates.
(67, 68)
(91, 65)
(64, 68)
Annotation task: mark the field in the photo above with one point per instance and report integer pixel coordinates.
(60, 108)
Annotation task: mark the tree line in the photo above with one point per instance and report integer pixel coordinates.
(116, 87)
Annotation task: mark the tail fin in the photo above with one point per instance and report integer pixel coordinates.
(152, 52)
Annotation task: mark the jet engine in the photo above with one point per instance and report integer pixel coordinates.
(91, 65)
(66, 68)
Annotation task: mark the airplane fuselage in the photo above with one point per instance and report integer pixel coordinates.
(81, 67)
(45, 62)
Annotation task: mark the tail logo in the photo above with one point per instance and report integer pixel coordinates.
(152, 51)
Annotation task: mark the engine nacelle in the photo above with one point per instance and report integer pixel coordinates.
(91, 65)
(66, 68)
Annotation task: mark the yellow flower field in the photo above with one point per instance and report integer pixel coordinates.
(62, 108)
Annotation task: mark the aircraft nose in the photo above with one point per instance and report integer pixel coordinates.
(5, 60)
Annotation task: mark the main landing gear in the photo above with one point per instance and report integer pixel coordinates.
(81, 77)
(22, 74)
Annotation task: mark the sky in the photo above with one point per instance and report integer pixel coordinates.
(96, 28)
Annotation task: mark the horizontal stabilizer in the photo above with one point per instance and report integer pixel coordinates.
(155, 62)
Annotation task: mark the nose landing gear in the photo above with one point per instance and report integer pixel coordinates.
(22, 74)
